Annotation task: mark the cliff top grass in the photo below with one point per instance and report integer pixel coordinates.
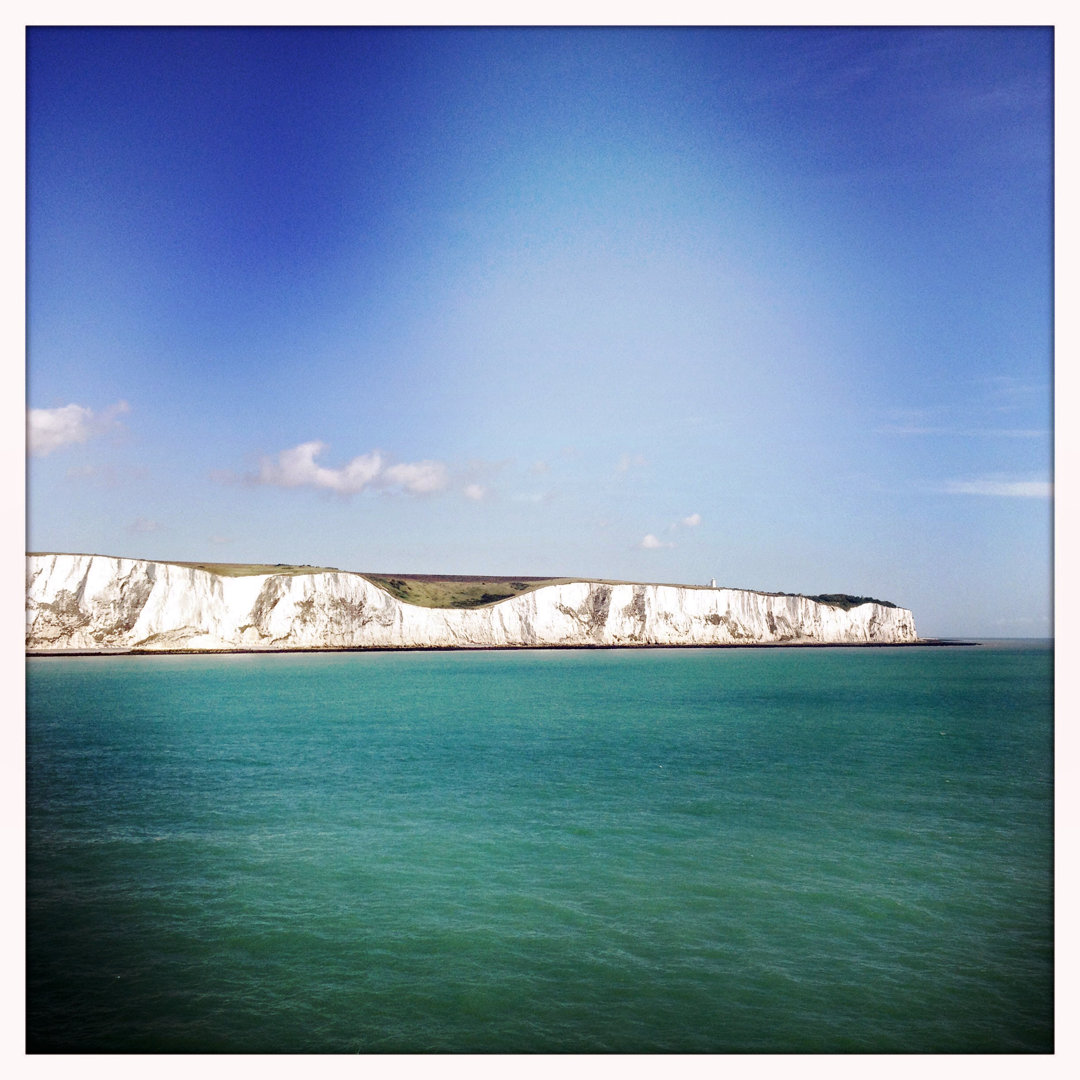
(422, 590)
(251, 569)
(463, 591)
(846, 602)
(469, 590)
(455, 591)
(221, 569)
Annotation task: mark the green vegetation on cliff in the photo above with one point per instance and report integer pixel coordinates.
(450, 591)
(469, 590)
(846, 602)
(251, 569)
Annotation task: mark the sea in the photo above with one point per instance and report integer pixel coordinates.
(669, 851)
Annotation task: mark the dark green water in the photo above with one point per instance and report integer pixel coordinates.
(825, 850)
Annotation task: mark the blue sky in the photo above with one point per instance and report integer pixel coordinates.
(770, 306)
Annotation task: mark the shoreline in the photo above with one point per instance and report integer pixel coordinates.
(922, 643)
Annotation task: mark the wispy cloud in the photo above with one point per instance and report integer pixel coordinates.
(297, 467)
(50, 429)
(144, 525)
(651, 543)
(990, 407)
(691, 521)
(476, 492)
(107, 475)
(1010, 489)
(991, 433)
(630, 461)
(1010, 387)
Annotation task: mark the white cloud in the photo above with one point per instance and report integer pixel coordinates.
(298, 468)
(50, 429)
(145, 525)
(650, 543)
(421, 477)
(475, 492)
(630, 461)
(1013, 489)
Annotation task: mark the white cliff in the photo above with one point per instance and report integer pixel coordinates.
(93, 602)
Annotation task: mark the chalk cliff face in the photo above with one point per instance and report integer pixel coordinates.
(98, 602)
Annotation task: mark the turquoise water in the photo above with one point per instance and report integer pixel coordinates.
(823, 850)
